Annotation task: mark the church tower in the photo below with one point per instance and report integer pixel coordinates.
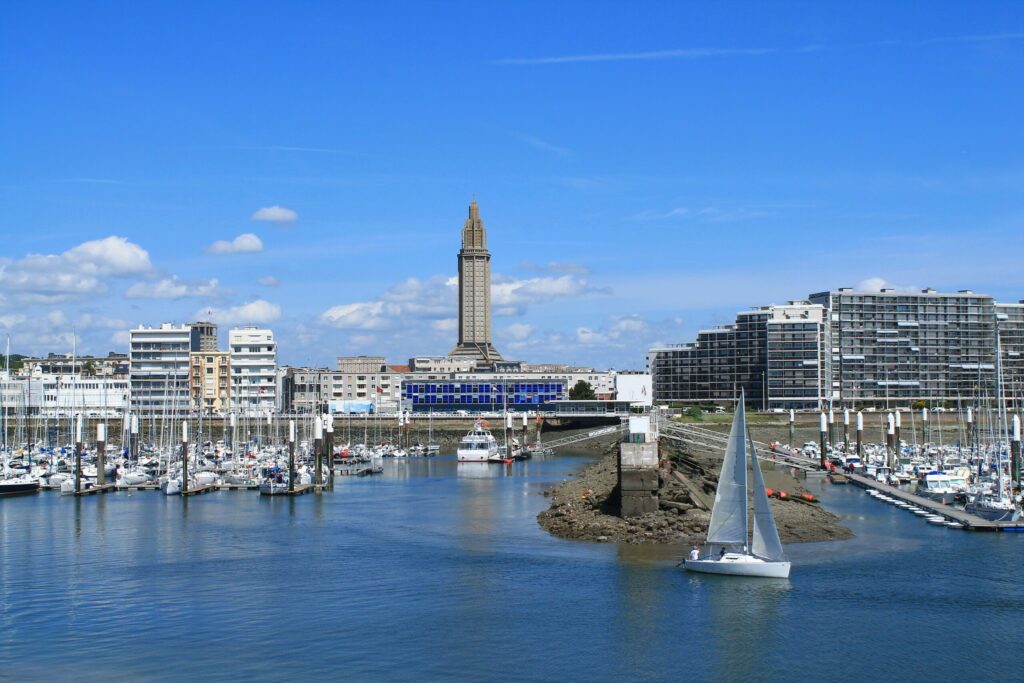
(475, 292)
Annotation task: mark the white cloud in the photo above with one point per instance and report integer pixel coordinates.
(513, 297)
(518, 331)
(269, 281)
(445, 324)
(435, 300)
(55, 330)
(357, 316)
(173, 288)
(120, 338)
(275, 214)
(246, 243)
(254, 312)
(876, 284)
(79, 271)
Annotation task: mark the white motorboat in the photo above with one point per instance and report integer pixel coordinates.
(937, 486)
(479, 445)
(729, 527)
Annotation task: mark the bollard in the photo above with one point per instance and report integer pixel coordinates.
(792, 419)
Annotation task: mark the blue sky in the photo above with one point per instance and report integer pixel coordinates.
(644, 169)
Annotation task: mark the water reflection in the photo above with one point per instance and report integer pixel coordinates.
(743, 616)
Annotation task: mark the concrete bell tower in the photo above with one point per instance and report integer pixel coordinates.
(475, 292)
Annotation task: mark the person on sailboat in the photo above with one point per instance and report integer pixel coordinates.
(721, 553)
(695, 552)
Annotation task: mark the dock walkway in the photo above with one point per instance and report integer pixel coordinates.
(970, 522)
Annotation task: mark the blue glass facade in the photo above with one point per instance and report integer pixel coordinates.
(449, 395)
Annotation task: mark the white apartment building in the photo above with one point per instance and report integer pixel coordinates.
(159, 360)
(253, 353)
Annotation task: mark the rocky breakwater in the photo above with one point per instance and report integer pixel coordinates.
(585, 507)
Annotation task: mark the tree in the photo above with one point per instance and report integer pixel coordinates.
(582, 392)
(88, 368)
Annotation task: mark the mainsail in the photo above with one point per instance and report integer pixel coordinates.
(766, 543)
(729, 514)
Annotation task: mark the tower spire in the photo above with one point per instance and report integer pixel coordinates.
(475, 291)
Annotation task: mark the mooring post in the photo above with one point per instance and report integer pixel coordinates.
(291, 456)
(134, 431)
(823, 424)
(526, 430)
(831, 428)
(926, 432)
(860, 435)
(184, 457)
(890, 436)
(318, 458)
(1015, 446)
(896, 444)
(232, 426)
(329, 448)
(970, 431)
(78, 454)
(792, 419)
(101, 454)
(846, 430)
(508, 435)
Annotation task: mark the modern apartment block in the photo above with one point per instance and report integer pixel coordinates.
(159, 367)
(253, 358)
(368, 379)
(847, 347)
(210, 381)
(775, 354)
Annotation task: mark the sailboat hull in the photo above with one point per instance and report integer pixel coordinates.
(735, 564)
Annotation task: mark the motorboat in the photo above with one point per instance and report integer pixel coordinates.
(479, 445)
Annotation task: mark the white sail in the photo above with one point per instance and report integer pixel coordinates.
(766, 535)
(729, 514)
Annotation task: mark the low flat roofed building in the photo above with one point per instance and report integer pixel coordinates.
(481, 395)
(62, 396)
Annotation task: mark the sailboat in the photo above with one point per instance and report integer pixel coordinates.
(729, 528)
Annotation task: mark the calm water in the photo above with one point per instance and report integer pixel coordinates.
(439, 571)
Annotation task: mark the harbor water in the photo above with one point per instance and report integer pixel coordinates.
(439, 571)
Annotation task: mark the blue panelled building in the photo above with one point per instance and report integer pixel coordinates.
(445, 395)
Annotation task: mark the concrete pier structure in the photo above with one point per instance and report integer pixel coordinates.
(638, 469)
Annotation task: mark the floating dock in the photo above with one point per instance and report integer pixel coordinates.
(970, 522)
(199, 490)
(96, 489)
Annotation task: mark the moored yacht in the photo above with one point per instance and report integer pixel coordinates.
(479, 445)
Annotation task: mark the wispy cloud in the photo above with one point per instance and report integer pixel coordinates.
(288, 148)
(685, 53)
(706, 214)
(713, 52)
(275, 214)
(542, 145)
